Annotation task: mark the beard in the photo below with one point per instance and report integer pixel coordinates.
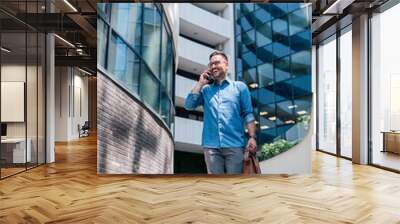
(219, 74)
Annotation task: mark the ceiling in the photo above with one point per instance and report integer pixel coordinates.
(75, 21)
(330, 15)
(72, 20)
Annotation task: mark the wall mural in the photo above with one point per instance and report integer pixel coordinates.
(136, 78)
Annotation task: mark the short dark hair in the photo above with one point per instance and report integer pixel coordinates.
(218, 53)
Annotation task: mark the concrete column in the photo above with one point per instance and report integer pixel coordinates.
(229, 46)
(50, 99)
(360, 90)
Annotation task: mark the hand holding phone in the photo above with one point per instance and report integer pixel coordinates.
(210, 78)
(206, 78)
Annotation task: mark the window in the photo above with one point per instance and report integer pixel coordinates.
(165, 106)
(299, 20)
(300, 64)
(327, 95)
(140, 54)
(265, 74)
(123, 63)
(248, 41)
(262, 15)
(149, 88)
(102, 28)
(264, 34)
(126, 20)
(385, 87)
(151, 38)
(282, 69)
(346, 93)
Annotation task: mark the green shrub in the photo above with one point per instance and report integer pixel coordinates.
(269, 150)
(304, 119)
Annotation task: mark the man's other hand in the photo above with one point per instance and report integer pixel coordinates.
(251, 145)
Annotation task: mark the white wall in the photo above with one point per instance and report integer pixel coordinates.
(205, 20)
(61, 103)
(33, 125)
(193, 57)
(12, 73)
(229, 46)
(71, 93)
(185, 86)
(16, 73)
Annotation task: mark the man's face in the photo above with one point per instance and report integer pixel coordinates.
(218, 67)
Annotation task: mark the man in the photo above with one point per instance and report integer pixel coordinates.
(227, 105)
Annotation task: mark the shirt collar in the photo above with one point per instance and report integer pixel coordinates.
(226, 80)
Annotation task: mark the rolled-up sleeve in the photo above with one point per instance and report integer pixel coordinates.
(193, 100)
(247, 107)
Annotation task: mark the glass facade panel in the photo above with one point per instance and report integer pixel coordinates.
(126, 20)
(262, 15)
(278, 10)
(281, 48)
(165, 54)
(264, 34)
(249, 60)
(165, 107)
(265, 74)
(151, 38)
(148, 88)
(282, 69)
(246, 8)
(300, 41)
(300, 63)
(140, 53)
(102, 29)
(280, 28)
(169, 61)
(250, 76)
(123, 63)
(273, 57)
(248, 41)
(265, 54)
(298, 20)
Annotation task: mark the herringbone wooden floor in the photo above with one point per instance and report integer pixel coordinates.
(70, 191)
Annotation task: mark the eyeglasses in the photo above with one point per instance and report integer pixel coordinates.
(214, 63)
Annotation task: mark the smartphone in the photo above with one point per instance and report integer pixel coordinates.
(210, 78)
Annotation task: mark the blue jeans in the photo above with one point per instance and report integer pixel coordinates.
(224, 160)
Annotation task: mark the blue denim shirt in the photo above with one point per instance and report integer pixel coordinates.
(227, 108)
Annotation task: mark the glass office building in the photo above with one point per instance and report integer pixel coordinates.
(136, 69)
(273, 57)
(135, 48)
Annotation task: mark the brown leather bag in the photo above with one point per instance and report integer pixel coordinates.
(250, 163)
